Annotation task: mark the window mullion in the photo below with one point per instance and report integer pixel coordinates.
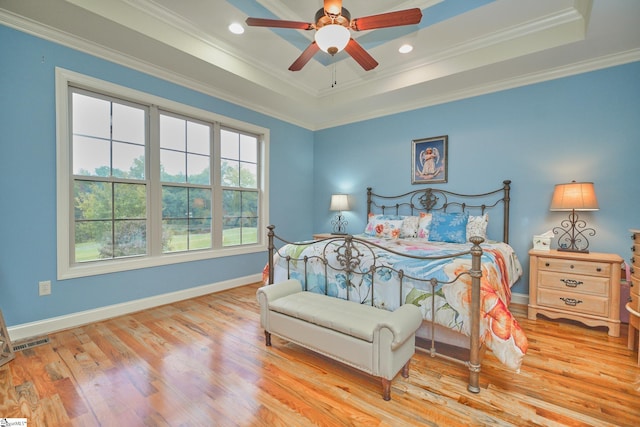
(154, 188)
(216, 184)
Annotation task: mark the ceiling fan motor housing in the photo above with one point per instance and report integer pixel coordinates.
(322, 18)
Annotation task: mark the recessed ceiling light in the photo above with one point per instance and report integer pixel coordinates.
(405, 48)
(236, 28)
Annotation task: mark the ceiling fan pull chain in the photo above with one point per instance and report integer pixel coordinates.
(334, 78)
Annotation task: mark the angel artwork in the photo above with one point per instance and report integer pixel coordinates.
(430, 160)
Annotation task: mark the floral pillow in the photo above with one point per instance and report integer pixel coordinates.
(384, 226)
(409, 227)
(424, 222)
(477, 226)
(448, 227)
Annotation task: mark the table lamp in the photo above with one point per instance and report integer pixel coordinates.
(574, 197)
(339, 203)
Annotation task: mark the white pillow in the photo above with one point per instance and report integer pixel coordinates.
(477, 226)
(409, 227)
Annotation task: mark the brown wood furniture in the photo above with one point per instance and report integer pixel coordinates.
(633, 306)
(319, 236)
(6, 349)
(577, 286)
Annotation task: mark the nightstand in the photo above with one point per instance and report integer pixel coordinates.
(577, 286)
(318, 236)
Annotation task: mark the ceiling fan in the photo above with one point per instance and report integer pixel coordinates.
(332, 24)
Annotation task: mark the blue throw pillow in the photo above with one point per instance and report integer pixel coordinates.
(448, 227)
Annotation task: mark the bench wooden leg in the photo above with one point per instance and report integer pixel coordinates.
(386, 389)
(267, 338)
(405, 369)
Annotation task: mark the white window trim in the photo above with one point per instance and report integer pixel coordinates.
(66, 268)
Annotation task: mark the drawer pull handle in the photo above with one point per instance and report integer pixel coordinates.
(571, 283)
(546, 264)
(633, 248)
(571, 301)
(572, 267)
(598, 269)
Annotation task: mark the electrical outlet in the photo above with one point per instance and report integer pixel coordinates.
(44, 287)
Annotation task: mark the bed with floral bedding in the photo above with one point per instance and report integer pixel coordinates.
(423, 252)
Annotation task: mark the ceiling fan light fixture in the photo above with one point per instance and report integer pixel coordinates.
(332, 38)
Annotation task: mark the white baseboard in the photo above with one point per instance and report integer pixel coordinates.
(54, 324)
(522, 299)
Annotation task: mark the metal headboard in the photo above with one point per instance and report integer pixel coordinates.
(435, 199)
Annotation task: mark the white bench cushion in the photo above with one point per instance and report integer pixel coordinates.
(343, 316)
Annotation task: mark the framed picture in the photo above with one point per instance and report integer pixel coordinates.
(429, 160)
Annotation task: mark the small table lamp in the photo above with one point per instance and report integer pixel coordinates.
(339, 202)
(574, 196)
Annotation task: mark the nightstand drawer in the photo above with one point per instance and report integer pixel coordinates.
(572, 283)
(635, 258)
(634, 294)
(573, 266)
(579, 303)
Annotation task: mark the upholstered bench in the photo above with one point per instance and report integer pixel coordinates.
(373, 340)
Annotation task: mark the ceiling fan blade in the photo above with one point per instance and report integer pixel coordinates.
(333, 7)
(384, 20)
(361, 56)
(277, 23)
(304, 57)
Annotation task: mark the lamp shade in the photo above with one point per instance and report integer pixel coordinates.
(339, 202)
(332, 38)
(579, 196)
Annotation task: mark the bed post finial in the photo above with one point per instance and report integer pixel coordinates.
(369, 194)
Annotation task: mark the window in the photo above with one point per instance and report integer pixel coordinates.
(185, 174)
(145, 181)
(108, 140)
(239, 176)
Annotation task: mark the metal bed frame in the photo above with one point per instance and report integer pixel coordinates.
(350, 250)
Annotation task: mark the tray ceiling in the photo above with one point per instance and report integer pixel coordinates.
(461, 49)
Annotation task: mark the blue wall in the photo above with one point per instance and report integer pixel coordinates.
(583, 128)
(28, 186)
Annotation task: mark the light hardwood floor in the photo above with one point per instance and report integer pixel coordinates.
(203, 362)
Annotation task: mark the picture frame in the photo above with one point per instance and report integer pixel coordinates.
(429, 160)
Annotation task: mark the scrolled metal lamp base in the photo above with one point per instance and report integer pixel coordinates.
(571, 234)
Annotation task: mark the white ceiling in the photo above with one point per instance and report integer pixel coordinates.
(462, 48)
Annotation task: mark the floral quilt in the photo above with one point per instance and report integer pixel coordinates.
(499, 330)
